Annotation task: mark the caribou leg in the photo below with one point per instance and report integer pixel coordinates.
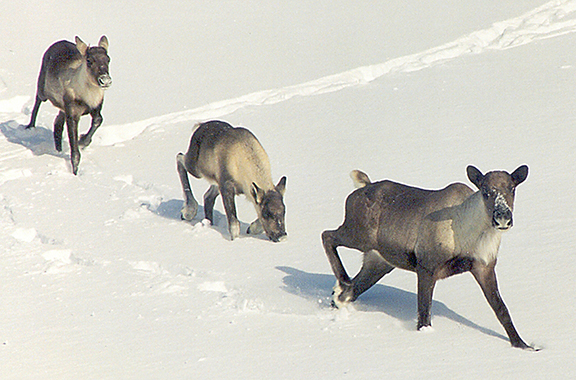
(190, 204)
(485, 275)
(227, 191)
(97, 118)
(72, 124)
(58, 129)
(426, 283)
(35, 110)
(209, 200)
(343, 290)
(374, 267)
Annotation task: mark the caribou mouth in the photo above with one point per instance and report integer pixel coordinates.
(502, 225)
(104, 81)
(279, 238)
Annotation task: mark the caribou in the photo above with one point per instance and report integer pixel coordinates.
(73, 77)
(434, 233)
(234, 162)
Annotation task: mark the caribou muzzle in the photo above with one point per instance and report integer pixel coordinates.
(276, 238)
(502, 219)
(104, 81)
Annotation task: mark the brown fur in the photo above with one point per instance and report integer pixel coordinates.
(73, 77)
(435, 233)
(233, 160)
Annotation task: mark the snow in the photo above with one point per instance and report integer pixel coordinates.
(101, 278)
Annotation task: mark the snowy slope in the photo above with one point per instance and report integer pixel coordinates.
(103, 280)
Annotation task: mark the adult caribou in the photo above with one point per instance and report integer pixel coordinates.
(434, 233)
(73, 77)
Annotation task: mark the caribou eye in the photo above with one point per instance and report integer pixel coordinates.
(485, 193)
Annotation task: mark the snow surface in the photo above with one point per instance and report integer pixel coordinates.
(102, 280)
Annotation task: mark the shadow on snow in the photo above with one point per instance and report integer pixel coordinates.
(39, 140)
(170, 209)
(397, 303)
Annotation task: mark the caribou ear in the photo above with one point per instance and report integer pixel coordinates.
(519, 175)
(103, 43)
(81, 46)
(281, 187)
(257, 193)
(475, 176)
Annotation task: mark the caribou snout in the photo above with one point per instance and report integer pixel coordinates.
(104, 81)
(502, 219)
(277, 238)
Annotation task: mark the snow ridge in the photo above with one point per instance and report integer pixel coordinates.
(550, 20)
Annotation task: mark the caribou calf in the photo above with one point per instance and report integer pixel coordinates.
(73, 77)
(435, 234)
(233, 160)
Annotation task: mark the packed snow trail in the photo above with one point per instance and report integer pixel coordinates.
(552, 19)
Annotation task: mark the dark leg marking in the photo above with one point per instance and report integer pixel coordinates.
(58, 129)
(209, 200)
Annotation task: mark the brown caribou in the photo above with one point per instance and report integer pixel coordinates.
(233, 160)
(73, 77)
(434, 233)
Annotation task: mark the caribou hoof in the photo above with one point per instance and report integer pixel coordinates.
(531, 348)
(188, 213)
(526, 347)
(234, 230)
(341, 295)
(255, 228)
(75, 162)
(84, 141)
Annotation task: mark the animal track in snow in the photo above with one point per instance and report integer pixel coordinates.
(148, 267)
(552, 19)
(60, 261)
(12, 174)
(213, 286)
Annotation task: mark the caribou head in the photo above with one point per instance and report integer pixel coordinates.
(497, 189)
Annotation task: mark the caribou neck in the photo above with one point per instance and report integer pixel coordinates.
(91, 92)
(475, 236)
